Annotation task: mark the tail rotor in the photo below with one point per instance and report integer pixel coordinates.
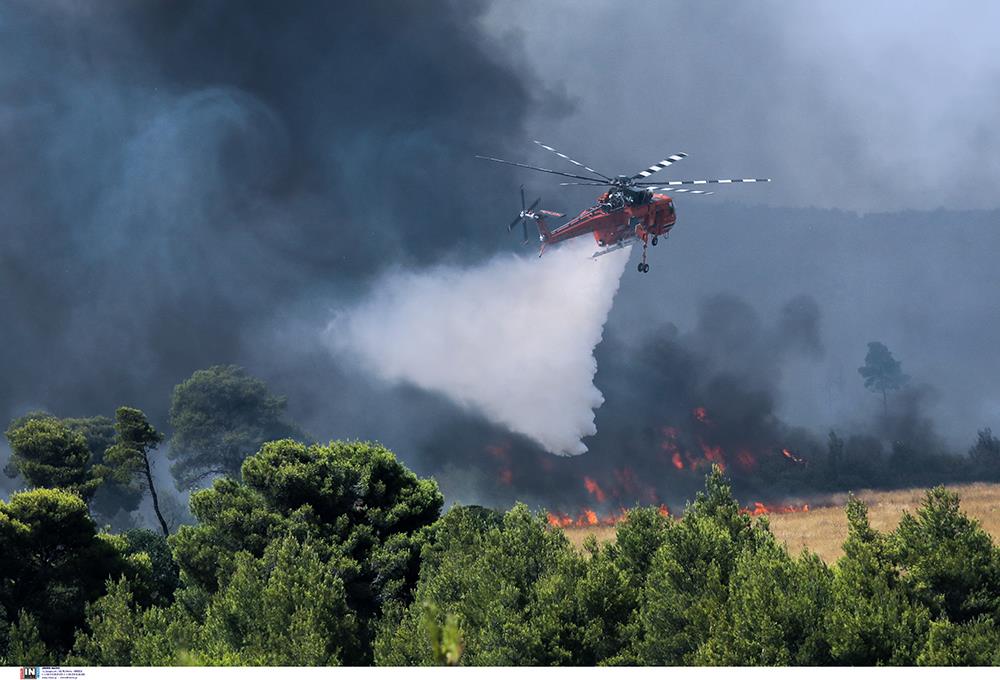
(526, 212)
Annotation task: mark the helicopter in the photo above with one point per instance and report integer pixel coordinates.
(631, 209)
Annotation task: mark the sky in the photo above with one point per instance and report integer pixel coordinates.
(855, 105)
(193, 183)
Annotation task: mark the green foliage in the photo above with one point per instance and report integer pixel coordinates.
(114, 497)
(361, 511)
(974, 643)
(219, 416)
(874, 618)
(24, 645)
(48, 454)
(948, 561)
(53, 458)
(446, 640)
(506, 587)
(164, 575)
(287, 608)
(117, 633)
(53, 562)
(774, 611)
(336, 554)
(127, 460)
(881, 372)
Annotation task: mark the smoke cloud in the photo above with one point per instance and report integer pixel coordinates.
(512, 339)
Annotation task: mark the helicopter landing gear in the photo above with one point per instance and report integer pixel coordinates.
(643, 267)
(655, 240)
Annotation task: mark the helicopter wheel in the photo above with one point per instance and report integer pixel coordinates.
(639, 268)
(645, 268)
(655, 240)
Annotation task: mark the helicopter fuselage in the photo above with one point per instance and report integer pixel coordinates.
(616, 219)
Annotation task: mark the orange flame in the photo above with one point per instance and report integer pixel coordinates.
(677, 461)
(701, 415)
(713, 454)
(791, 456)
(587, 518)
(762, 509)
(594, 490)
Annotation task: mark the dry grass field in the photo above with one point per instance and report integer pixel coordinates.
(824, 528)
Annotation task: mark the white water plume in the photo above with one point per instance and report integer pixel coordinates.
(512, 338)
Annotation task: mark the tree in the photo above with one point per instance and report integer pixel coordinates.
(127, 460)
(874, 617)
(106, 496)
(113, 498)
(882, 373)
(164, 576)
(687, 587)
(774, 611)
(948, 560)
(48, 454)
(985, 454)
(54, 562)
(219, 416)
(363, 513)
(975, 643)
(510, 589)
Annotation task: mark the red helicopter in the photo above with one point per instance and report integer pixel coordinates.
(629, 210)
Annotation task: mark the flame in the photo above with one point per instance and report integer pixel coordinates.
(762, 509)
(501, 453)
(587, 518)
(746, 459)
(701, 415)
(713, 454)
(664, 510)
(677, 461)
(791, 456)
(594, 489)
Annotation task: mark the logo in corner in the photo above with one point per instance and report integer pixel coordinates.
(30, 672)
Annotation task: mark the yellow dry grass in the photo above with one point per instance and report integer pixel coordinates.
(824, 528)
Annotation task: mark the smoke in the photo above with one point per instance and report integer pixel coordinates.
(179, 177)
(512, 339)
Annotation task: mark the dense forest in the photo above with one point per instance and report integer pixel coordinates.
(323, 554)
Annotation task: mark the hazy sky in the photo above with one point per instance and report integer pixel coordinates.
(860, 105)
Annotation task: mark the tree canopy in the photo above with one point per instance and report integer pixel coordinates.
(219, 416)
(882, 373)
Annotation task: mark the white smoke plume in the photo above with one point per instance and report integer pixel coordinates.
(512, 338)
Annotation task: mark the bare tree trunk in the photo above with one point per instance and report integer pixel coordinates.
(152, 493)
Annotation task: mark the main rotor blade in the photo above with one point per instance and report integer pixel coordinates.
(656, 167)
(578, 163)
(524, 229)
(679, 182)
(532, 167)
(537, 201)
(513, 222)
(682, 191)
(582, 184)
(522, 198)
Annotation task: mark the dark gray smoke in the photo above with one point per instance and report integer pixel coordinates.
(179, 179)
